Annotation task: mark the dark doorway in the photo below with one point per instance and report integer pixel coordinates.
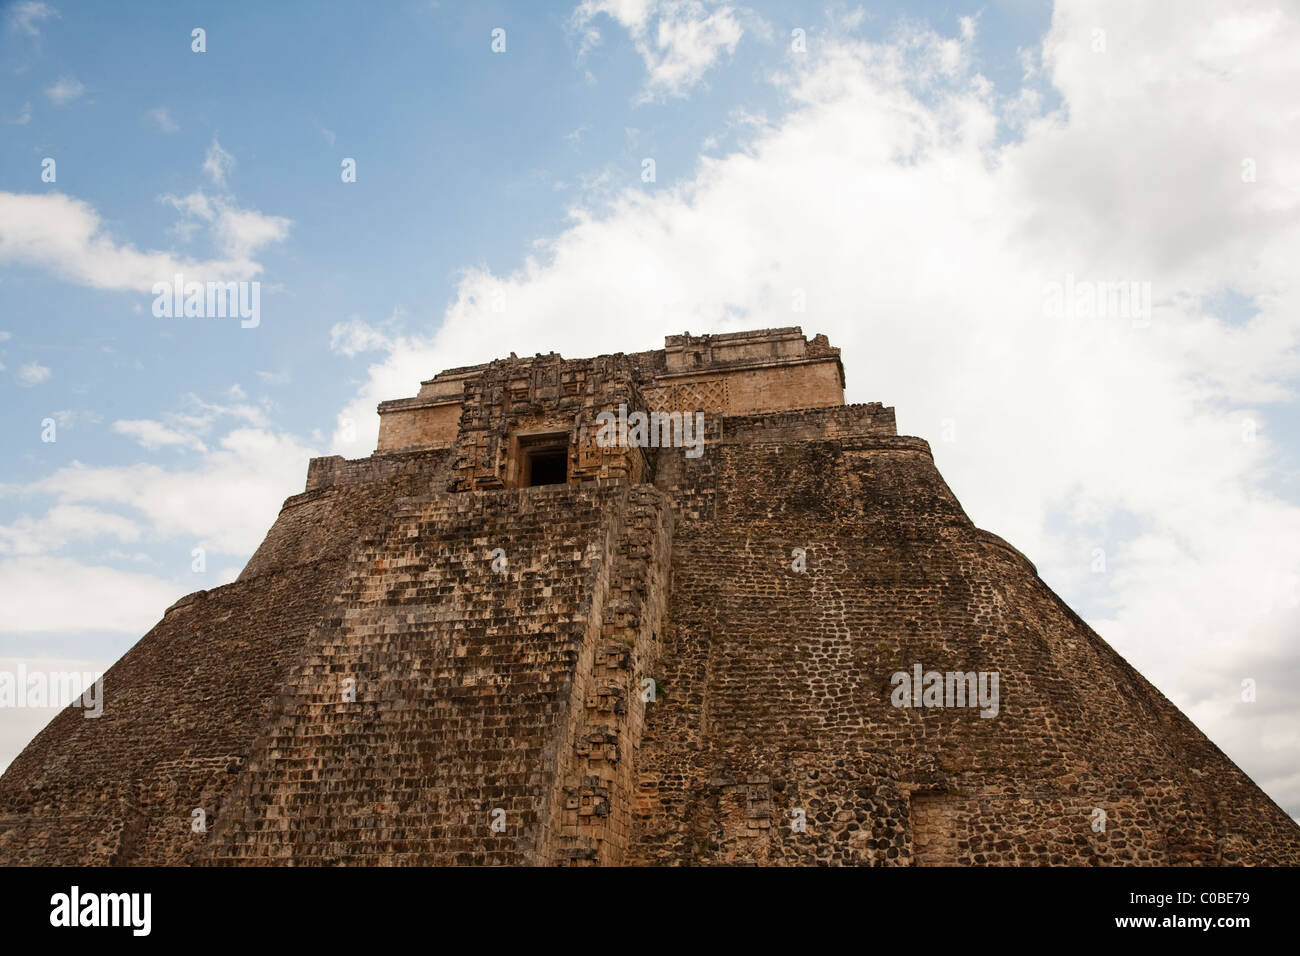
(548, 466)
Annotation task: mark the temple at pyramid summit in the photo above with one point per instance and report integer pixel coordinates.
(675, 607)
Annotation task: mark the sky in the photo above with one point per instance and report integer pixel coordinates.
(946, 190)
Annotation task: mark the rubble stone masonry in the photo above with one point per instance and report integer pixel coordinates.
(654, 659)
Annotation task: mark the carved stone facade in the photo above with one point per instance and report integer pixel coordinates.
(501, 640)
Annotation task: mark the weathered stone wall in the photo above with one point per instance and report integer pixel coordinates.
(514, 399)
(595, 823)
(471, 685)
(733, 374)
(183, 706)
(417, 423)
(181, 709)
(337, 471)
(344, 500)
(777, 684)
(773, 387)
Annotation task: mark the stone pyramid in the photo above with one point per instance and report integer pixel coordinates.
(672, 607)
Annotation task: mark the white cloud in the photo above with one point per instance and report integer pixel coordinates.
(151, 434)
(678, 40)
(46, 595)
(161, 117)
(65, 90)
(196, 205)
(187, 428)
(851, 19)
(924, 246)
(354, 336)
(225, 502)
(25, 16)
(70, 418)
(61, 524)
(66, 236)
(23, 118)
(33, 373)
(218, 163)
(240, 233)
